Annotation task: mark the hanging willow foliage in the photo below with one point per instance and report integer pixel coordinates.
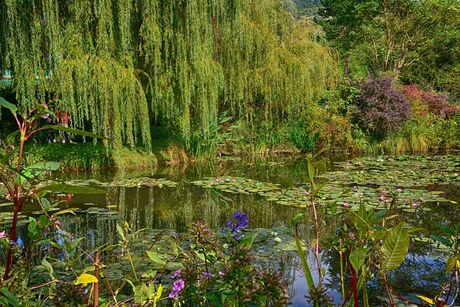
(120, 66)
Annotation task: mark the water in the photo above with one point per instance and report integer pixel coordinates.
(175, 208)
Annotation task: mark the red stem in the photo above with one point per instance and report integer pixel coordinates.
(96, 284)
(17, 203)
(354, 285)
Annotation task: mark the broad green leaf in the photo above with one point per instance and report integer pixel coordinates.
(395, 247)
(3, 103)
(86, 279)
(73, 131)
(155, 257)
(357, 258)
(158, 293)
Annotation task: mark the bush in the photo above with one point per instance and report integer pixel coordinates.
(381, 109)
(301, 137)
(423, 102)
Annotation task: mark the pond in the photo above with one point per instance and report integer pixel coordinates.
(271, 192)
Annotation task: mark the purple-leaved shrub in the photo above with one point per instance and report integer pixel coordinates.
(380, 108)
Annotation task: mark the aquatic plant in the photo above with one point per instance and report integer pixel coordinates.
(218, 269)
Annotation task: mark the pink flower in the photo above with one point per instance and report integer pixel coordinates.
(346, 205)
(2, 234)
(306, 192)
(382, 197)
(399, 190)
(414, 205)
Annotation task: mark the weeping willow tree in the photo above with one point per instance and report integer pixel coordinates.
(120, 67)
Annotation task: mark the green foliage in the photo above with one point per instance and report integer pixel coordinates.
(395, 247)
(301, 137)
(116, 68)
(415, 40)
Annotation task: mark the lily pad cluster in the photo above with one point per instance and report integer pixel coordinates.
(397, 172)
(237, 185)
(129, 183)
(379, 183)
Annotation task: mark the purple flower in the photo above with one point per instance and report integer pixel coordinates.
(235, 226)
(221, 273)
(207, 275)
(346, 205)
(176, 273)
(177, 287)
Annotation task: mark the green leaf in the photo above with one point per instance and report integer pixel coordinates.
(158, 293)
(296, 218)
(357, 258)
(426, 299)
(48, 266)
(155, 257)
(3, 103)
(86, 279)
(395, 247)
(303, 259)
(44, 166)
(32, 227)
(248, 240)
(7, 298)
(73, 131)
(39, 168)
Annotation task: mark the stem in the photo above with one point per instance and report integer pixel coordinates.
(96, 284)
(354, 285)
(17, 202)
(342, 275)
(132, 264)
(317, 232)
(387, 288)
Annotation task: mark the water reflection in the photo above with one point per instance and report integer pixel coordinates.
(176, 208)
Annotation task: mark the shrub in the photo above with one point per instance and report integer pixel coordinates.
(301, 136)
(423, 102)
(381, 109)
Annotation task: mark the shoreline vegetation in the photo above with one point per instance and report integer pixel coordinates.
(241, 77)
